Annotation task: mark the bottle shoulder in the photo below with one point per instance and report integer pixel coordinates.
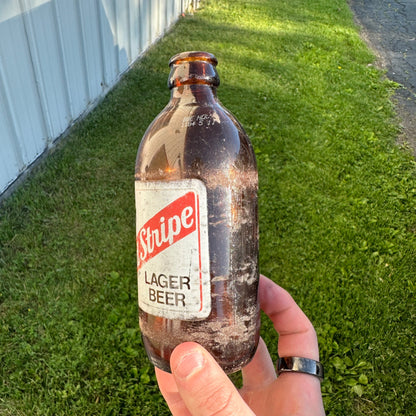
(186, 137)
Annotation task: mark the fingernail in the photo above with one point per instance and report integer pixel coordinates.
(189, 364)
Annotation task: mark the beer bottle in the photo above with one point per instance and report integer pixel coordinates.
(196, 223)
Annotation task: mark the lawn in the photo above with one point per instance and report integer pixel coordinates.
(337, 219)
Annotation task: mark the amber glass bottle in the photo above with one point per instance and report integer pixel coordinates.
(197, 228)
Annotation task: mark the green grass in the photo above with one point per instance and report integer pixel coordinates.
(337, 219)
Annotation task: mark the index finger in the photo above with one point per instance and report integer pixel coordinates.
(297, 336)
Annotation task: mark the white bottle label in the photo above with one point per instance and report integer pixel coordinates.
(172, 249)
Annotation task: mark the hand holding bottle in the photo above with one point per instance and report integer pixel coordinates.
(199, 387)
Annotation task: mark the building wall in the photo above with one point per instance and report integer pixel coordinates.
(58, 58)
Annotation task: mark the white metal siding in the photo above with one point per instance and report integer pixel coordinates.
(58, 57)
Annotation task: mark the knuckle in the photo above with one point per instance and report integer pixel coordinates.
(218, 402)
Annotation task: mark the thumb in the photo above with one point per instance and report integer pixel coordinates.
(204, 387)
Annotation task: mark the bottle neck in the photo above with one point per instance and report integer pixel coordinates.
(193, 78)
(201, 94)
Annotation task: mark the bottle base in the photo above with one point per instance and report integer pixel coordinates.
(229, 368)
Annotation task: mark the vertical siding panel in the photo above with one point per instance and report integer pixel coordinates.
(129, 33)
(145, 24)
(154, 20)
(83, 60)
(176, 10)
(122, 34)
(10, 155)
(47, 49)
(39, 82)
(171, 11)
(22, 114)
(61, 50)
(58, 57)
(109, 40)
(100, 42)
(163, 15)
(134, 15)
(93, 47)
(116, 39)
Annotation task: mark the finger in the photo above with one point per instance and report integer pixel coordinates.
(169, 390)
(297, 336)
(260, 371)
(204, 387)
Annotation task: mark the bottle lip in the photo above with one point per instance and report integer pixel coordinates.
(193, 67)
(192, 56)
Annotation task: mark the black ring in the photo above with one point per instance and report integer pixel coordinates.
(300, 365)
